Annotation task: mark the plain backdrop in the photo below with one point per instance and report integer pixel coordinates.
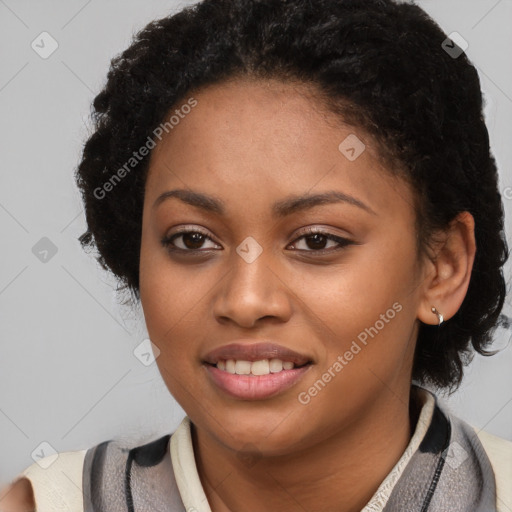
(68, 374)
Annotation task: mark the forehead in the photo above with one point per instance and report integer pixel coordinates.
(266, 134)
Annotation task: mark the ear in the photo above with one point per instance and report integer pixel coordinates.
(448, 271)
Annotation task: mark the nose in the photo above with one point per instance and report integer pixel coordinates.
(252, 291)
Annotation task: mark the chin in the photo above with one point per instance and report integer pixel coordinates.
(270, 432)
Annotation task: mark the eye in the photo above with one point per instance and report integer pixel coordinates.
(189, 241)
(317, 240)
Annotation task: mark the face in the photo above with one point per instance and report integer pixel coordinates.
(281, 285)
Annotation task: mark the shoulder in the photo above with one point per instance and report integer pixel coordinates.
(53, 483)
(57, 481)
(492, 454)
(499, 452)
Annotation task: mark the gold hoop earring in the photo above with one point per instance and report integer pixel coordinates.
(440, 318)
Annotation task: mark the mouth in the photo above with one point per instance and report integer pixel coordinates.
(255, 371)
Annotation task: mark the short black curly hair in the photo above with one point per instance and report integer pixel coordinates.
(382, 65)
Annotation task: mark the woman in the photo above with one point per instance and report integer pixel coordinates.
(303, 199)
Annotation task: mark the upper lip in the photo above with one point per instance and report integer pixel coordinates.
(246, 351)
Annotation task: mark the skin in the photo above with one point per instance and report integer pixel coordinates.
(18, 497)
(251, 144)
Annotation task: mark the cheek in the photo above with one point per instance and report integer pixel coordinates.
(167, 291)
(364, 311)
(170, 304)
(175, 304)
(170, 310)
(384, 273)
(350, 296)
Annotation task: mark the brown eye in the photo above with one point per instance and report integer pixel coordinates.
(187, 241)
(192, 240)
(317, 241)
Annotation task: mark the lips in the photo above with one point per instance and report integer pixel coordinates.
(231, 369)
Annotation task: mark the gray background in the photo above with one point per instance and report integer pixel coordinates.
(68, 375)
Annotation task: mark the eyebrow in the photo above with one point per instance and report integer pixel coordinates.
(281, 208)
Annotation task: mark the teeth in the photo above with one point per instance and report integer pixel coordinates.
(242, 367)
(230, 366)
(276, 365)
(262, 367)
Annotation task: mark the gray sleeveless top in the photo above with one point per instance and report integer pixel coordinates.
(450, 472)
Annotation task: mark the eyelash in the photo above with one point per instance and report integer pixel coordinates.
(167, 242)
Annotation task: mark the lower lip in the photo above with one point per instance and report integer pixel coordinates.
(255, 387)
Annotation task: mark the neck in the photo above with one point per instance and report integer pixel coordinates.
(341, 472)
